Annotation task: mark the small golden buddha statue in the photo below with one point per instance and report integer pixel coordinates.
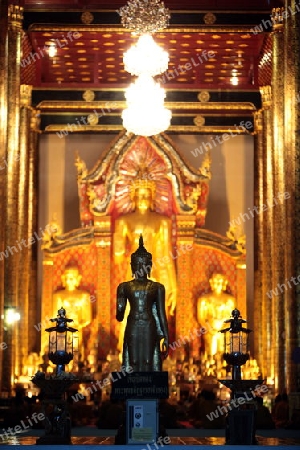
(212, 309)
(74, 300)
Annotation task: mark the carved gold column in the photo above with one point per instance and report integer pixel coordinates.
(292, 170)
(258, 238)
(103, 239)
(185, 315)
(11, 270)
(32, 192)
(3, 143)
(265, 220)
(23, 232)
(278, 205)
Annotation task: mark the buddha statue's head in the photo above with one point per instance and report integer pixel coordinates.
(141, 261)
(218, 283)
(71, 277)
(61, 312)
(142, 192)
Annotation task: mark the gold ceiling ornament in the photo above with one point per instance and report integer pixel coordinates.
(209, 18)
(203, 96)
(88, 95)
(199, 121)
(87, 17)
(144, 16)
(92, 119)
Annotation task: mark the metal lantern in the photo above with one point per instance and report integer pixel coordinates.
(236, 343)
(61, 345)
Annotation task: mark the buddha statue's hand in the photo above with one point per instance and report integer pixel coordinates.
(164, 348)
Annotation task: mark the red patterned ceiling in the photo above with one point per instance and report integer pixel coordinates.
(95, 58)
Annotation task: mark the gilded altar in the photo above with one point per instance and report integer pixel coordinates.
(133, 172)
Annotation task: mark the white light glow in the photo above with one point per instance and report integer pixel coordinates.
(145, 114)
(146, 57)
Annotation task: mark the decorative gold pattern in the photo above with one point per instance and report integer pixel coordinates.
(35, 120)
(87, 17)
(199, 121)
(88, 95)
(25, 95)
(93, 119)
(204, 169)
(277, 18)
(266, 96)
(15, 16)
(48, 105)
(203, 96)
(258, 123)
(209, 18)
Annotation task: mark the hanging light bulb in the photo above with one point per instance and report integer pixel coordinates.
(146, 57)
(51, 48)
(145, 114)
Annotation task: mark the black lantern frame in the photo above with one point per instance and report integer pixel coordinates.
(236, 344)
(61, 341)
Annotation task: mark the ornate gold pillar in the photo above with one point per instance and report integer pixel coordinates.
(3, 153)
(23, 234)
(266, 226)
(32, 192)
(103, 239)
(278, 206)
(258, 239)
(27, 225)
(11, 271)
(292, 170)
(185, 315)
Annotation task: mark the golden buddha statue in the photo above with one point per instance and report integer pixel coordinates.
(156, 231)
(212, 309)
(74, 300)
